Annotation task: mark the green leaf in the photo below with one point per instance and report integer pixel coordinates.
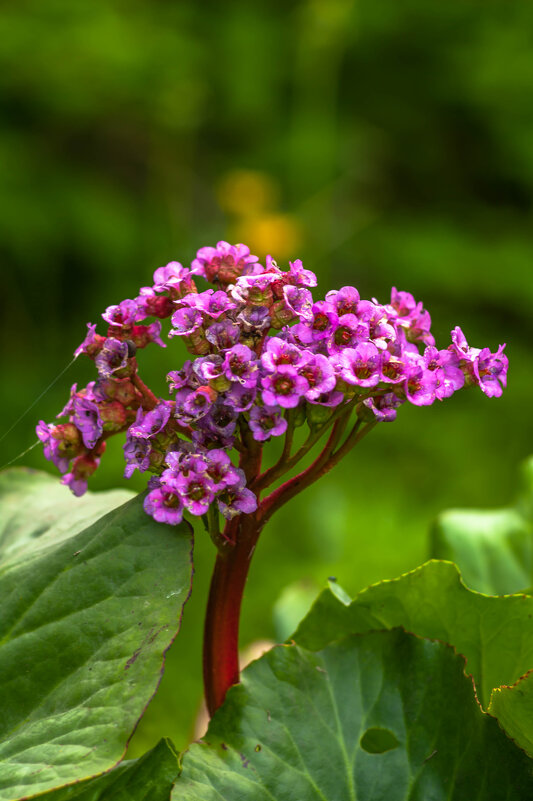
(513, 706)
(36, 511)
(493, 547)
(384, 715)
(495, 634)
(149, 778)
(85, 622)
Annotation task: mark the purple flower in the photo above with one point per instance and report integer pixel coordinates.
(164, 506)
(299, 301)
(195, 491)
(137, 452)
(322, 324)
(383, 407)
(184, 377)
(82, 467)
(237, 501)
(239, 397)
(445, 365)
(124, 315)
(91, 343)
(240, 365)
(220, 470)
(403, 303)
(172, 277)
(278, 352)
(221, 420)
(182, 462)
(152, 423)
(330, 399)
(284, 387)
(185, 321)
(490, 369)
(412, 317)
(69, 406)
(254, 289)
(266, 422)
(298, 276)
(209, 368)
(223, 264)
(393, 367)
(360, 366)
(348, 333)
(197, 403)
(112, 358)
(87, 420)
(254, 318)
(210, 302)
(319, 374)
(223, 334)
(51, 446)
(380, 330)
(78, 486)
(344, 300)
(421, 384)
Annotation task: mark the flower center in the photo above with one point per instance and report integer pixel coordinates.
(283, 385)
(320, 322)
(343, 335)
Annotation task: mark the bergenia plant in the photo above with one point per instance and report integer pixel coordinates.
(270, 360)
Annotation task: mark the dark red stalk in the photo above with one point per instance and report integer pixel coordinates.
(221, 633)
(236, 546)
(322, 465)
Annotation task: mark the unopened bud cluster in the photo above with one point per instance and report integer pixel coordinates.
(264, 355)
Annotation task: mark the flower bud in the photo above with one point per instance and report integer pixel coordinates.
(68, 438)
(317, 415)
(280, 314)
(220, 384)
(113, 415)
(124, 392)
(260, 296)
(197, 343)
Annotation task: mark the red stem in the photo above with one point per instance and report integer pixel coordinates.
(235, 550)
(322, 465)
(221, 633)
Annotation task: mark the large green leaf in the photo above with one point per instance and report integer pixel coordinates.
(492, 547)
(85, 622)
(495, 634)
(384, 715)
(149, 778)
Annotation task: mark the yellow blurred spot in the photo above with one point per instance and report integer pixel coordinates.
(247, 192)
(276, 234)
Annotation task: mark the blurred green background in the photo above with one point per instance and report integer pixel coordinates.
(382, 142)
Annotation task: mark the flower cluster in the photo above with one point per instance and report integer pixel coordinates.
(265, 356)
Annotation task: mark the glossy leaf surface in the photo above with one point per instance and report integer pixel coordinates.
(384, 715)
(494, 634)
(149, 778)
(85, 621)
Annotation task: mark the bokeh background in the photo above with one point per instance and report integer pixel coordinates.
(383, 143)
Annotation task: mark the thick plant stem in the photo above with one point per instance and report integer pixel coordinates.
(221, 632)
(236, 545)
